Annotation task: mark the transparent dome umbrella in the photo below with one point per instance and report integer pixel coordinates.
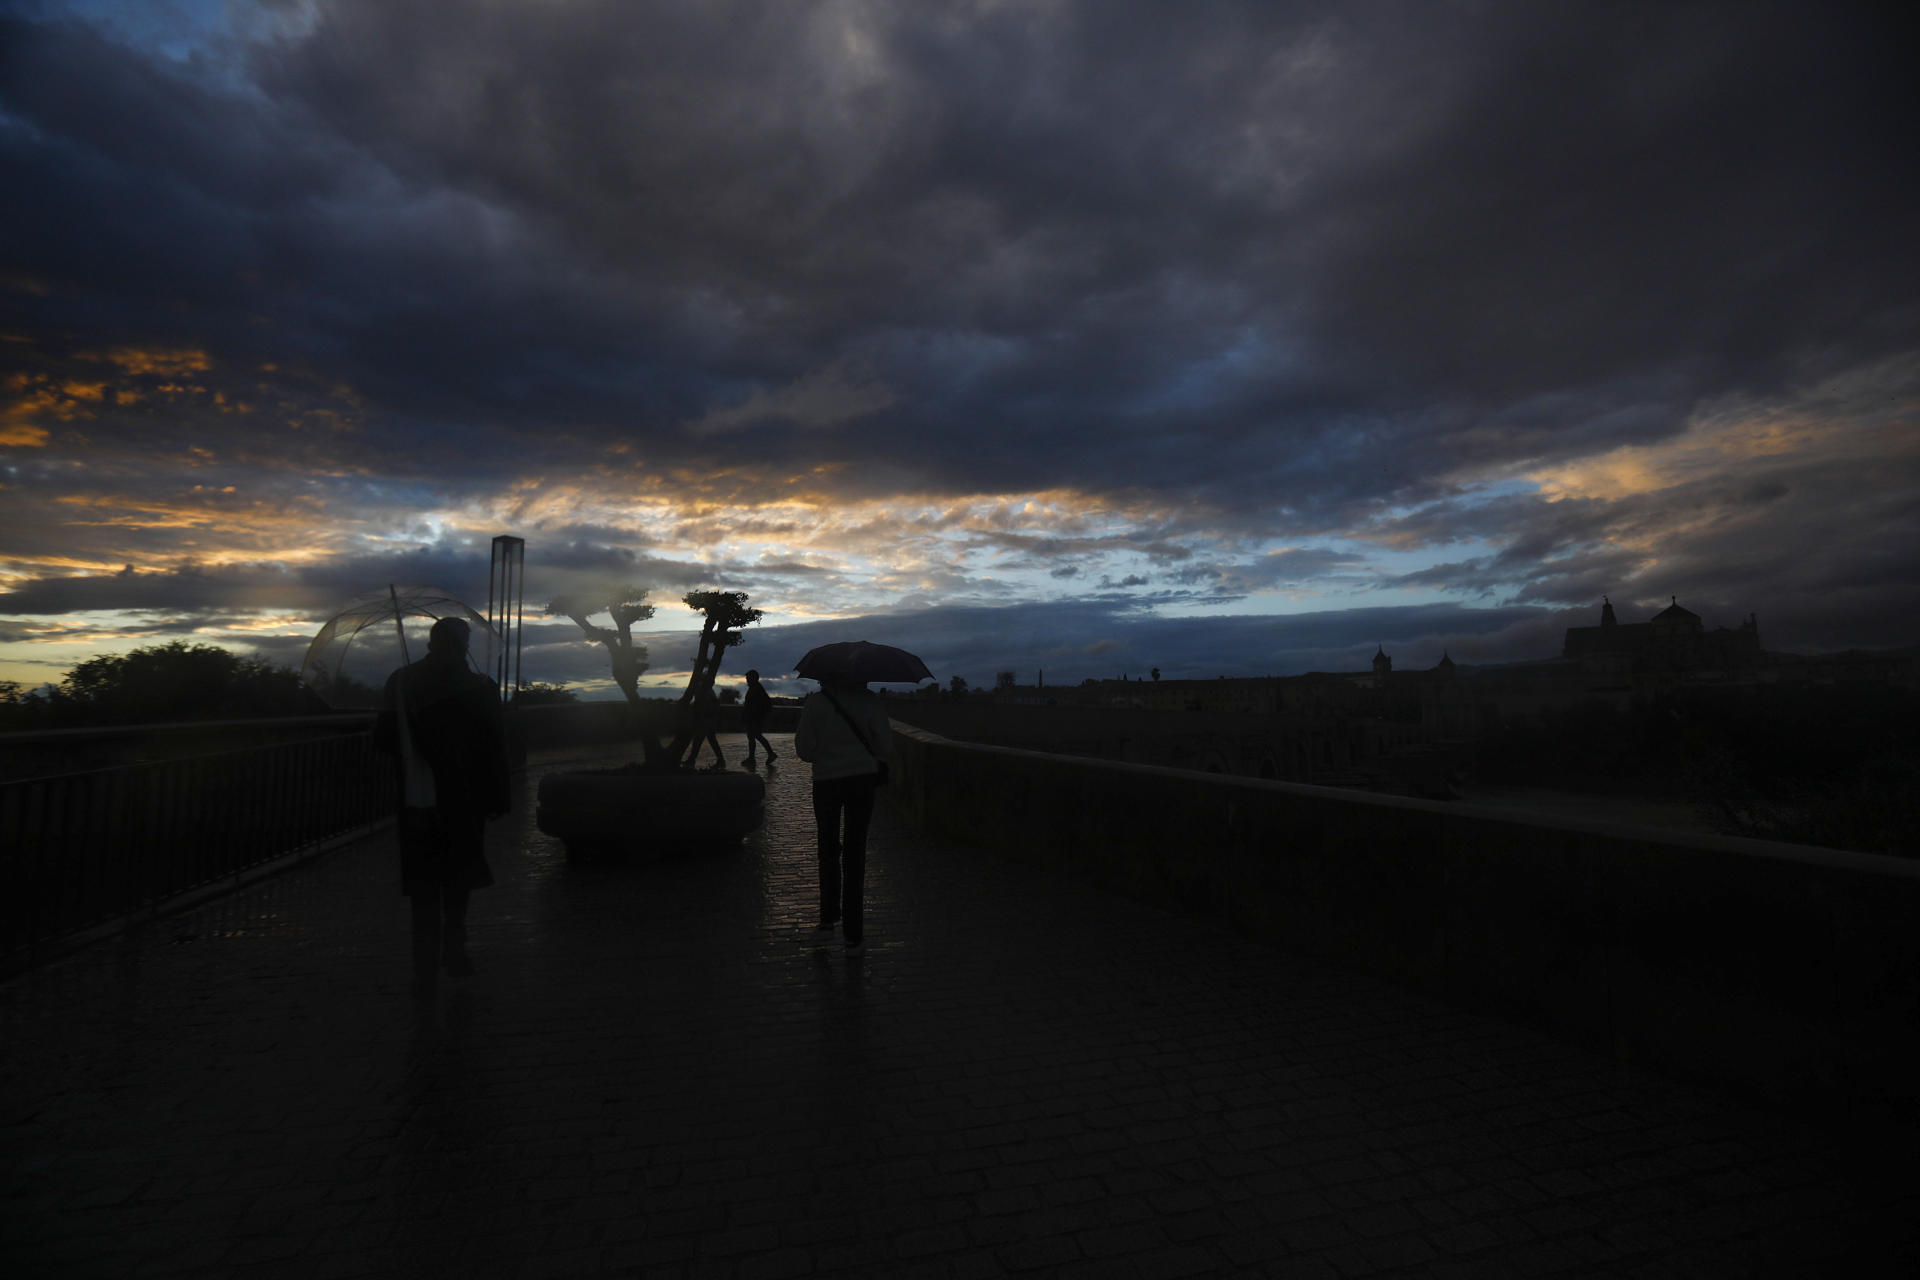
(349, 661)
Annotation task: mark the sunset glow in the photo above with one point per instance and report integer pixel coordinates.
(935, 333)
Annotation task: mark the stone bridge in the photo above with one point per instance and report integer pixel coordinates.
(659, 1070)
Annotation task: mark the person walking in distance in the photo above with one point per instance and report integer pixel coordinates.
(444, 721)
(754, 711)
(843, 731)
(706, 728)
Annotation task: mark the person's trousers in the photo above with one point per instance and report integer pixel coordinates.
(439, 927)
(843, 855)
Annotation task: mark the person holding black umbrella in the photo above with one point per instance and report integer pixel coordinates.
(844, 733)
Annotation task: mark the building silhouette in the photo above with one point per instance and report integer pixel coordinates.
(1673, 644)
(1403, 730)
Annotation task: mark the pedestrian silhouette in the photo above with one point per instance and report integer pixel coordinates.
(443, 721)
(706, 728)
(754, 710)
(843, 731)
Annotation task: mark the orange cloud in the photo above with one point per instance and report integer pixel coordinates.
(30, 398)
(162, 362)
(33, 397)
(283, 529)
(79, 563)
(23, 435)
(1857, 419)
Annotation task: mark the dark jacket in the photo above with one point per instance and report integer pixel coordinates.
(758, 705)
(458, 728)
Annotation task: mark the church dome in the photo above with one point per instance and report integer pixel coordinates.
(1674, 613)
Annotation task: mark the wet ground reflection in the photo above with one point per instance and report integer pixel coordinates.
(659, 1066)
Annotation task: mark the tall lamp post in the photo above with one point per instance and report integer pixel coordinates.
(506, 592)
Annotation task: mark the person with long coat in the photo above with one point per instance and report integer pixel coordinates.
(454, 726)
(844, 732)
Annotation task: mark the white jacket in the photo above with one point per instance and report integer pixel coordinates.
(825, 739)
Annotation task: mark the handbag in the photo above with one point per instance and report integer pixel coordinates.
(881, 775)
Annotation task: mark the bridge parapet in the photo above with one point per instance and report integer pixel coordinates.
(1790, 974)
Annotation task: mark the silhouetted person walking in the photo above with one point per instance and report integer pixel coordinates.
(706, 728)
(754, 710)
(454, 726)
(843, 731)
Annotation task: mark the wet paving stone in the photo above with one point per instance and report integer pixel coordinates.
(661, 1068)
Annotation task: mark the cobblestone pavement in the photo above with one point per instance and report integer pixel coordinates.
(659, 1072)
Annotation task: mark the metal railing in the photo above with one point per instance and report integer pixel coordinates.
(80, 849)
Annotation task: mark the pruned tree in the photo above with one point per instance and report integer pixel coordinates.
(624, 604)
(724, 627)
(727, 615)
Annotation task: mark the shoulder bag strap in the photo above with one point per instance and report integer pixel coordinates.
(864, 746)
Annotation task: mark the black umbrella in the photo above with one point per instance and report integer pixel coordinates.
(861, 662)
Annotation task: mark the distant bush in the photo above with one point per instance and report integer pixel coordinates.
(541, 694)
(160, 684)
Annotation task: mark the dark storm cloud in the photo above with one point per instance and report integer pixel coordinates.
(1076, 640)
(237, 224)
(1037, 549)
(1192, 247)
(167, 592)
(592, 539)
(1781, 532)
(1291, 568)
(230, 591)
(316, 591)
(1695, 194)
(1244, 274)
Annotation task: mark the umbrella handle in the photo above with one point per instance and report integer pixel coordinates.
(399, 630)
(416, 776)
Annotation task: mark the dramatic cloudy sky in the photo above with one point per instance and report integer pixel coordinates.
(1077, 336)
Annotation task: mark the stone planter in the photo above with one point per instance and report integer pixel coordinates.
(625, 812)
